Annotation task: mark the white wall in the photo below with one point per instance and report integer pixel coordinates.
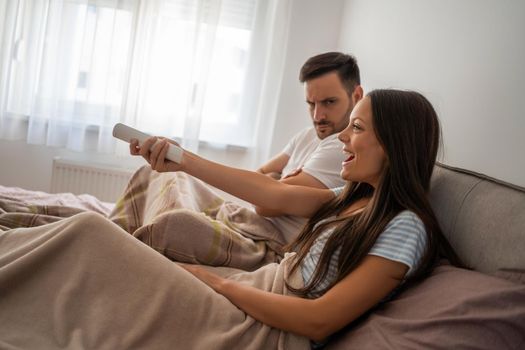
(466, 56)
(315, 27)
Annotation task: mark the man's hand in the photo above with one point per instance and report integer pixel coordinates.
(274, 175)
(274, 167)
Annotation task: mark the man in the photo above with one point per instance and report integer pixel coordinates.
(313, 157)
(185, 220)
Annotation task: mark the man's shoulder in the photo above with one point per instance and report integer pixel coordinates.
(331, 138)
(304, 139)
(306, 133)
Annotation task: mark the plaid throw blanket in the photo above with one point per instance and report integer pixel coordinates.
(25, 208)
(176, 214)
(182, 218)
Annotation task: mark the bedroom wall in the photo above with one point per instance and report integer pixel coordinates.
(314, 28)
(466, 56)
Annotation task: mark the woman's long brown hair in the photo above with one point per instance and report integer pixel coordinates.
(408, 129)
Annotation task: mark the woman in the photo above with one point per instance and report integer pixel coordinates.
(379, 233)
(375, 235)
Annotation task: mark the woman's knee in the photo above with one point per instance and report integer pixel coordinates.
(181, 218)
(91, 224)
(88, 218)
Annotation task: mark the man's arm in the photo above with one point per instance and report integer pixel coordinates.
(274, 167)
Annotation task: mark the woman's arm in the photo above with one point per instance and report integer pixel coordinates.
(298, 178)
(250, 186)
(317, 318)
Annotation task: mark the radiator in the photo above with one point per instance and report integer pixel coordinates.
(102, 181)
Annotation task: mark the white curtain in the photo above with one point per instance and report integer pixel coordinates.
(195, 70)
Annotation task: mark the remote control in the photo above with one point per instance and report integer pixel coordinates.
(126, 133)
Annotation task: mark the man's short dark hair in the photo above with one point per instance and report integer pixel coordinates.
(345, 66)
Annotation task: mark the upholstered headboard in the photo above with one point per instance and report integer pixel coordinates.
(483, 218)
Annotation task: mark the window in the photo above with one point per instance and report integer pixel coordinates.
(172, 67)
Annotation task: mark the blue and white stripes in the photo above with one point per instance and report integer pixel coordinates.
(404, 240)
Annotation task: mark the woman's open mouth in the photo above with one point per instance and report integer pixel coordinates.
(351, 157)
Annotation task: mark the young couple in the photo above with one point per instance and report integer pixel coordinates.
(362, 242)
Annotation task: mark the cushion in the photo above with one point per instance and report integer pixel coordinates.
(451, 309)
(482, 218)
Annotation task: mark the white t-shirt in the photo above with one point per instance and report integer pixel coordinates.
(319, 158)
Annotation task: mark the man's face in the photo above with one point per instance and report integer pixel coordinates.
(328, 103)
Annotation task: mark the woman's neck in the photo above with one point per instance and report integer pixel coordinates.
(354, 208)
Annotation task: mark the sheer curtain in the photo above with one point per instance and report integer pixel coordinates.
(196, 70)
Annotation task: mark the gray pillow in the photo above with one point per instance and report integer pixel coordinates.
(451, 309)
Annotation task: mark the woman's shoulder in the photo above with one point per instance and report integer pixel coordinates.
(404, 239)
(406, 219)
(405, 228)
(337, 190)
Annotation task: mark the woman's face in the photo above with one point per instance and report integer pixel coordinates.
(366, 157)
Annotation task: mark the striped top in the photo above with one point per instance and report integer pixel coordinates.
(404, 240)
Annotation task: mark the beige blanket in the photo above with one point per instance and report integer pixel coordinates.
(84, 283)
(183, 219)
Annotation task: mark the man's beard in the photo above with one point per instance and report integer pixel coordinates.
(329, 127)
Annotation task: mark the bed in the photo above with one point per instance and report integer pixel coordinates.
(482, 308)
